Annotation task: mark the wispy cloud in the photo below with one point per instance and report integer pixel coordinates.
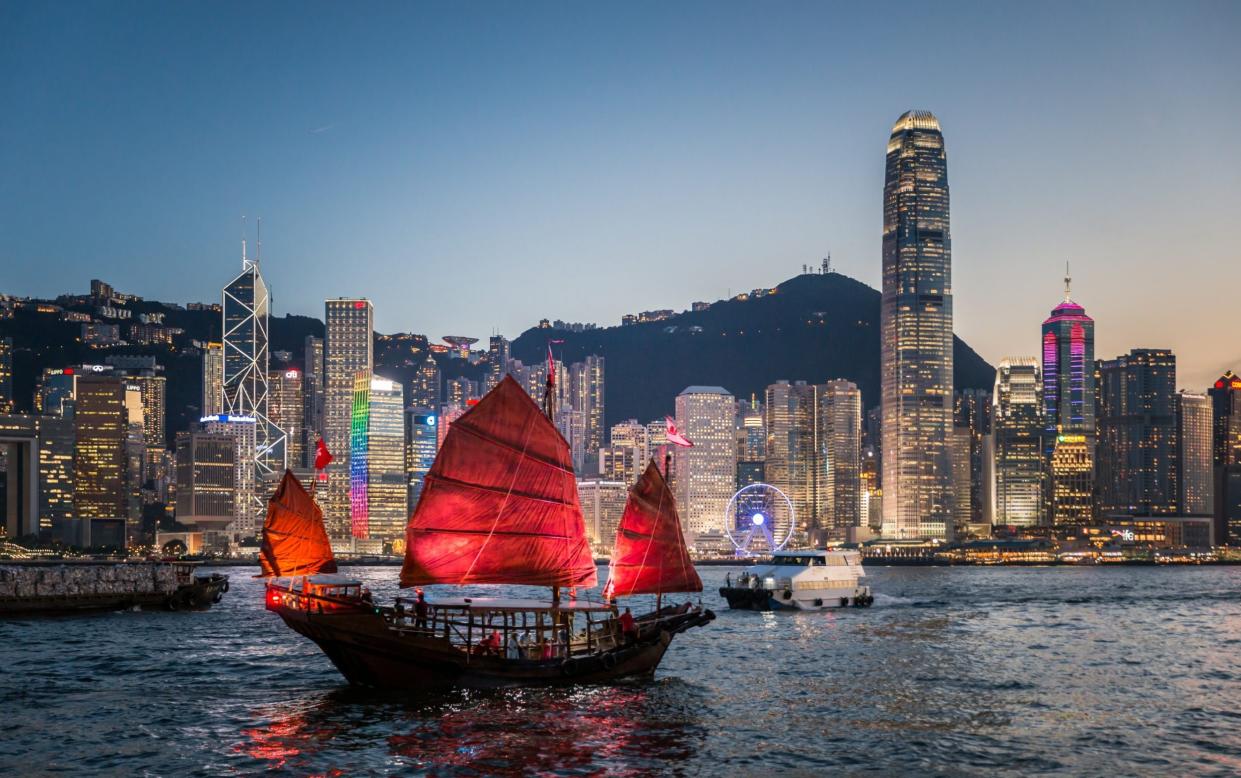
(323, 129)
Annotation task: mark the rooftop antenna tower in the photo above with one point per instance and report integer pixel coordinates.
(258, 251)
(243, 242)
(1068, 280)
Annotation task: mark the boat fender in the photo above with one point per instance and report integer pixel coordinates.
(219, 595)
(570, 667)
(174, 602)
(224, 588)
(788, 594)
(608, 661)
(818, 602)
(844, 601)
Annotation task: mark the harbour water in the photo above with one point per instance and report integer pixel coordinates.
(961, 670)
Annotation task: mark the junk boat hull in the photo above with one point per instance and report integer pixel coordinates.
(377, 648)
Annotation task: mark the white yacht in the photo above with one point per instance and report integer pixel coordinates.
(801, 580)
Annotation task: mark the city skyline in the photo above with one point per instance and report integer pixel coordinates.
(788, 155)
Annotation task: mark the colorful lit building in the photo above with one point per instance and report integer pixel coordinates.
(348, 349)
(378, 492)
(1069, 407)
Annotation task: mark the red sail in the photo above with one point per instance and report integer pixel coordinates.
(499, 505)
(294, 540)
(650, 555)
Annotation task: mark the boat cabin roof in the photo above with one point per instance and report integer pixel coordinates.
(511, 604)
(332, 579)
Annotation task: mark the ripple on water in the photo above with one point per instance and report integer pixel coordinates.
(964, 669)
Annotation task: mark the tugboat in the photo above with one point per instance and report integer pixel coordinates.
(801, 580)
(499, 506)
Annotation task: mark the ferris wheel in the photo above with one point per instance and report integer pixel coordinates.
(759, 518)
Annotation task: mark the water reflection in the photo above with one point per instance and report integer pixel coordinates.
(621, 729)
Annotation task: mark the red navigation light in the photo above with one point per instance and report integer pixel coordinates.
(273, 597)
(359, 304)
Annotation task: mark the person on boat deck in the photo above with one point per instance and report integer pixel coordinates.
(492, 644)
(628, 628)
(420, 611)
(512, 649)
(545, 649)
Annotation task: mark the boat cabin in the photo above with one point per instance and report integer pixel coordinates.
(319, 593)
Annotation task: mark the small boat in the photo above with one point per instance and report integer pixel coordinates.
(31, 588)
(499, 506)
(801, 580)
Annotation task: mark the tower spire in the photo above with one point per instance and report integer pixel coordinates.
(243, 242)
(1068, 280)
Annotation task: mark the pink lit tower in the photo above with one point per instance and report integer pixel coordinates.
(1069, 409)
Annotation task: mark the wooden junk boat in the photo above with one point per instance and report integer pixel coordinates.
(499, 506)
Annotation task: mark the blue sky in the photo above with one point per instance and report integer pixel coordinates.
(473, 167)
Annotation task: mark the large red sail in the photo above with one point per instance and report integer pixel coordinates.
(650, 555)
(294, 540)
(499, 505)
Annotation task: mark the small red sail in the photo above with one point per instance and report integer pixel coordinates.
(650, 555)
(294, 540)
(499, 505)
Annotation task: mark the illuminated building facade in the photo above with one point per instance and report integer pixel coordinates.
(1069, 396)
(206, 480)
(348, 349)
(1136, 448)
(213, 379)
(972, 423)
(498, 356)
(791, 454)
(618, 463)
(57, 438)
(916, 332)
(586, 385)
(287, 409)
(636, 438)
(312, 398)
(1225, 396)
(425, 388)
(1072, 481)
(705, 472)
(241, 430)
(1017, 426)
(378, 486)
(6, 375)
(101, 422)
(603, 504)
(838, 422)
(421, 445)
(1194, 454)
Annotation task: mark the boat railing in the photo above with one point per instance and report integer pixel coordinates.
(314, 598)
(527, 635)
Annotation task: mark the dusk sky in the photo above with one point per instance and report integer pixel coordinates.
(474, 167)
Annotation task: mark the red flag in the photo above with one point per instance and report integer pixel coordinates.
(674, 436)
(323, 457)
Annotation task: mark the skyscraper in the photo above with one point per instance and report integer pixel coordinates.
(424, 391)
(1017, 424)
(916, 331)
(838, 474)
(206, 480)
(1069, 409)
(498, 356)
(213, 379)
(972, 424)
(287, 409)
(312, 397)
(6, 375)
(791, 455)
(586, 385)
(1225, 396)
(705, 472)
(1137, 434)
(245, 388)
(421, 445)
(101, 423)
(378, 483)
(348, 349)
(241, 430)
(1195, 465)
